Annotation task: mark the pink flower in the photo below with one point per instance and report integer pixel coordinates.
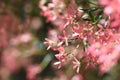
(112, 10)
(77, 77)
(59, 64)
(71, 10)
(76, 65)
(10, 59)
(64, 38)
(62, 57)
(32, 70)
(50, 43)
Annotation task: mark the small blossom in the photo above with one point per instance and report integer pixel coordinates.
(50, 43)
(64, 38)
(76, 64)
(59, 64)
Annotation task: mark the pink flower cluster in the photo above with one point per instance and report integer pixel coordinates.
(112, 9)
(85, 41)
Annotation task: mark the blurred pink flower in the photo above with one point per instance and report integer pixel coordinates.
(111, 8)
(9, 59)
(32, 71)
(77, 77)
(25, 37)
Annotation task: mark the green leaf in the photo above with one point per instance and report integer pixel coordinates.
(91, 15)
(99, 15)
(93, 9)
